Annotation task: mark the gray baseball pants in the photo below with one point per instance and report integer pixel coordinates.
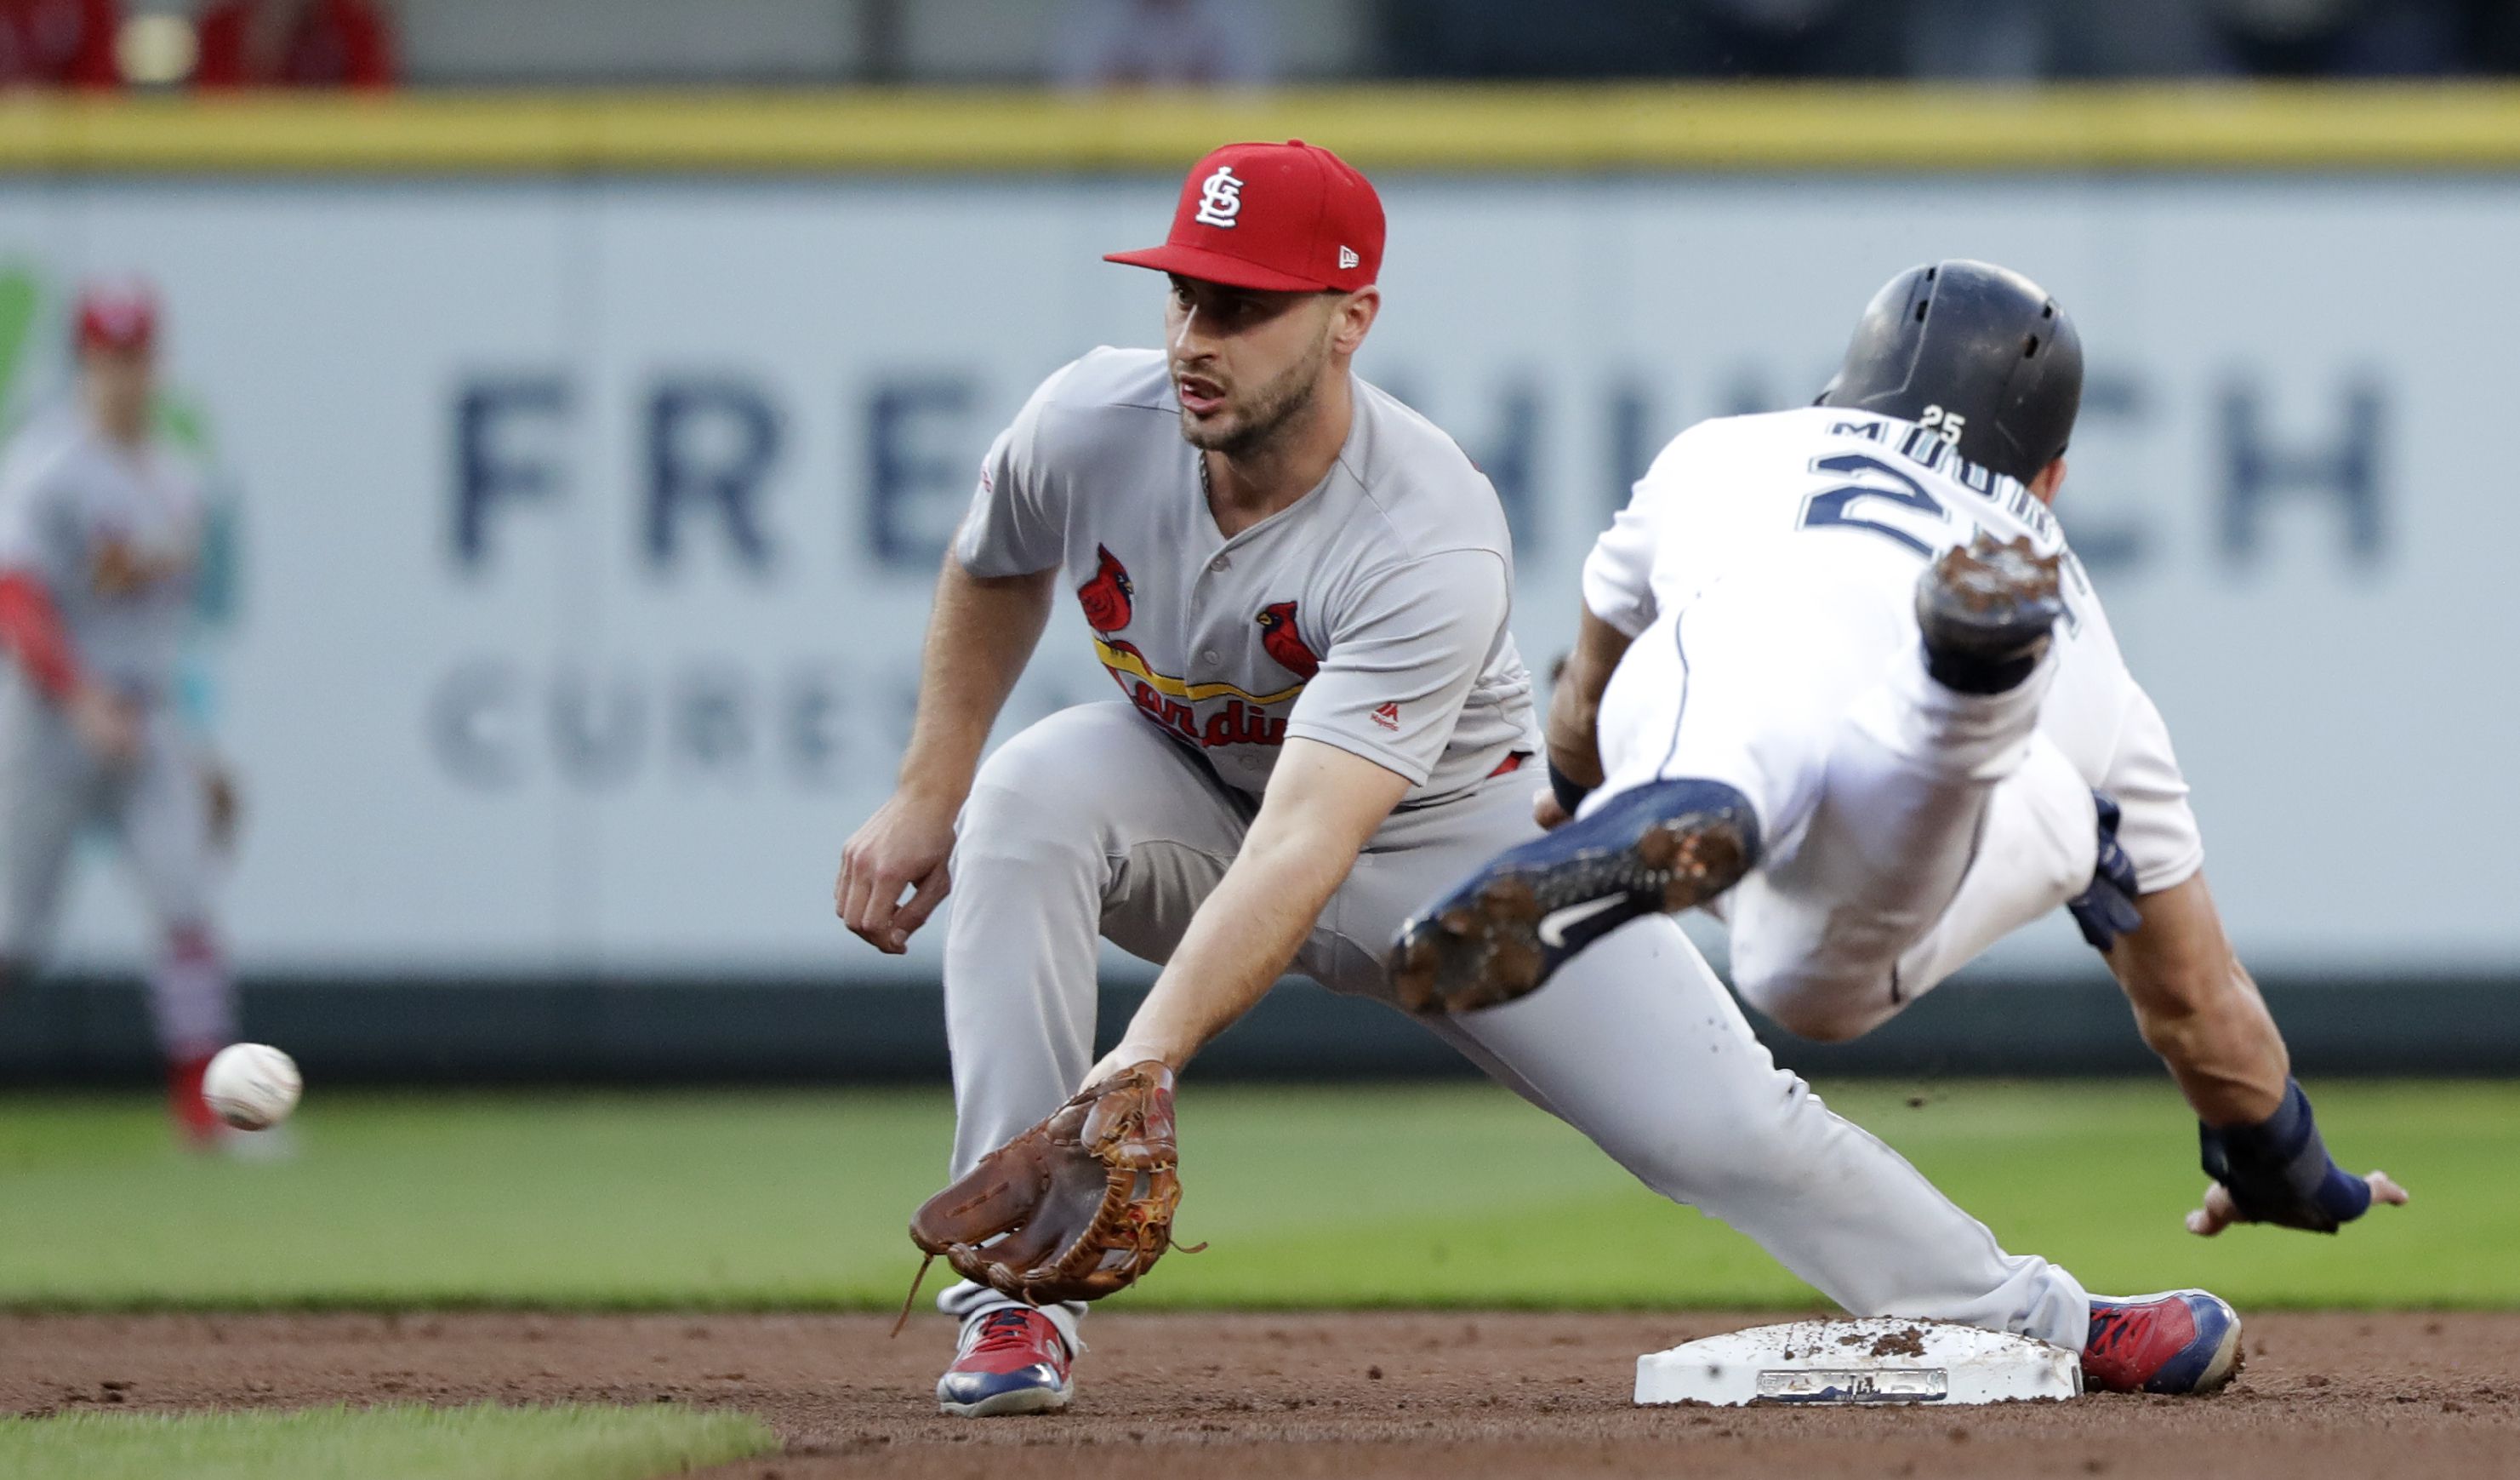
(51, 789)
(1090, 825)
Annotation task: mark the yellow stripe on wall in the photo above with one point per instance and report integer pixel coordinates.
(1732, 127)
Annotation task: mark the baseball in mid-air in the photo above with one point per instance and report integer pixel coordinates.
(253, 1086)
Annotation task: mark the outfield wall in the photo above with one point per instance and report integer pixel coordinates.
(433, 1030)
(592, 471)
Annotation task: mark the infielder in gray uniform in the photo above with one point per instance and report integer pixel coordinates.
(1300, 587)
(100, 536)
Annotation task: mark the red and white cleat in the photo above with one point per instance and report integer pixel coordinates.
(1012, 1360)
(197, 1124)
(2185, 1341)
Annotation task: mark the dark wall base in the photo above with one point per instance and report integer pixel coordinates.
(69, 1031)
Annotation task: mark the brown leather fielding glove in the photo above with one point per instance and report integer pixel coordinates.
(226, 808)
(1085, 1199)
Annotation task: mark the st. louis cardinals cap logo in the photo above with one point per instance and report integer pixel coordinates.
(1315, 225)
(1219, 199)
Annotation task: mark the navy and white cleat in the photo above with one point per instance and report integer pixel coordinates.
(1986, 612)
(2187, 1341)
(1012, 1360)
(1662, 846)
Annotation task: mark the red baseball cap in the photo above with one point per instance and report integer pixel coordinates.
(1289, 218)
(116, 316)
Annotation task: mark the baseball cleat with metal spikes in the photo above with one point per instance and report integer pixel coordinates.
(1665, 846)
(1988, 612)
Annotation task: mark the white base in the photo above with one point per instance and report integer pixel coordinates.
(1836, 1362)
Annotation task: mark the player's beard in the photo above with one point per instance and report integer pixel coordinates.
(1274, 406)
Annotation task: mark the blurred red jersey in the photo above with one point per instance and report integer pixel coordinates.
(335, 43)
(58, 43)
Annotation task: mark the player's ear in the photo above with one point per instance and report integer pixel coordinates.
(2050, 478)
(1352, 317)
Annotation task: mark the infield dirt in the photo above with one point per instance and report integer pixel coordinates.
(1357, 1397)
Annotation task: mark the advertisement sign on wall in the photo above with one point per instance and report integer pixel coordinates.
(586, 530)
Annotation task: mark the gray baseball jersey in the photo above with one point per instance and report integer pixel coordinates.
(114, 534)
(1369, 616)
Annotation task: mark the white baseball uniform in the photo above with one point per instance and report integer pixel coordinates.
(114, 535)
(1369, 616)
(1767, 569)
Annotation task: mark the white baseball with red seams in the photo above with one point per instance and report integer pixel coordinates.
(253, 1086)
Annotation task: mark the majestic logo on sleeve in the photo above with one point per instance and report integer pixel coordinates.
(1108, 597)
(1219, 199)
(1286, 642)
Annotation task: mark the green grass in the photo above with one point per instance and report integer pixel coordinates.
(409, 1443)
(1449, 1194)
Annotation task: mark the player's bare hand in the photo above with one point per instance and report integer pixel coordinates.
(905, 846)
(1546, 811)
(2220, 1211)
(108, 723)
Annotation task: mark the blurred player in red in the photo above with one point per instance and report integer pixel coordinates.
(59, 43)
(101, 529)
(295, 43)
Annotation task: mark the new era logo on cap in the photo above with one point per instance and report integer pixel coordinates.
(1273, 217)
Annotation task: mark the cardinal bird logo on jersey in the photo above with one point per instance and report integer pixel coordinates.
(1286, 642)
(1107, 597)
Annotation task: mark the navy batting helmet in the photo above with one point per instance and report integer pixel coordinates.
(1983, 348)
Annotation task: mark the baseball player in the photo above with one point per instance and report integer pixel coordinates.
(100, 533)
(1840, 677)
(1300, 588)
